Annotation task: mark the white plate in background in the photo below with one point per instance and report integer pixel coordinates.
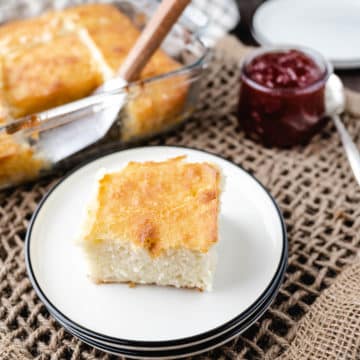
(331, 27)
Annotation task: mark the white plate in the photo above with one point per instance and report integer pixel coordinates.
(330, 26)
(188, 347)
(174, 353)
(251, 250)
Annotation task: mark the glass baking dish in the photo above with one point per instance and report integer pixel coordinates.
(159, 103)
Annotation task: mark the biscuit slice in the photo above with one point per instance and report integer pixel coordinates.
(51, 74)
(155, 223)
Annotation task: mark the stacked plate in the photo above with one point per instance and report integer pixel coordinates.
(150, 321)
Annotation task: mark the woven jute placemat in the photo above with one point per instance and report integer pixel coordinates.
(316, 313)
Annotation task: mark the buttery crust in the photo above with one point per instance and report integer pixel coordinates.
(114, 35)
(158, 206)
(27, 33)
(50, 74)
(112, 32)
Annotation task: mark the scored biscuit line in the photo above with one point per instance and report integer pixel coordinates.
(96, 54)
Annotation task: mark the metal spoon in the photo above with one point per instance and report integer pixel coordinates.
(335, 106)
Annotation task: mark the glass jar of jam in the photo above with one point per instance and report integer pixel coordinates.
(282, 96)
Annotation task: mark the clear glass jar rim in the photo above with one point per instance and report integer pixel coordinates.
(313, 54)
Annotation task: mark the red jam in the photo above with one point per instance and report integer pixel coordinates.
(282, 97)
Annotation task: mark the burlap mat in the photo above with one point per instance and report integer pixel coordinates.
(320, 200)
(330, 330)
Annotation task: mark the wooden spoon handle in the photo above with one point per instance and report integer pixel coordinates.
(151, 37)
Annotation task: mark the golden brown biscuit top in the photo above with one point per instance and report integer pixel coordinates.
(66, 75)
(29, 32)
(158, 206)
